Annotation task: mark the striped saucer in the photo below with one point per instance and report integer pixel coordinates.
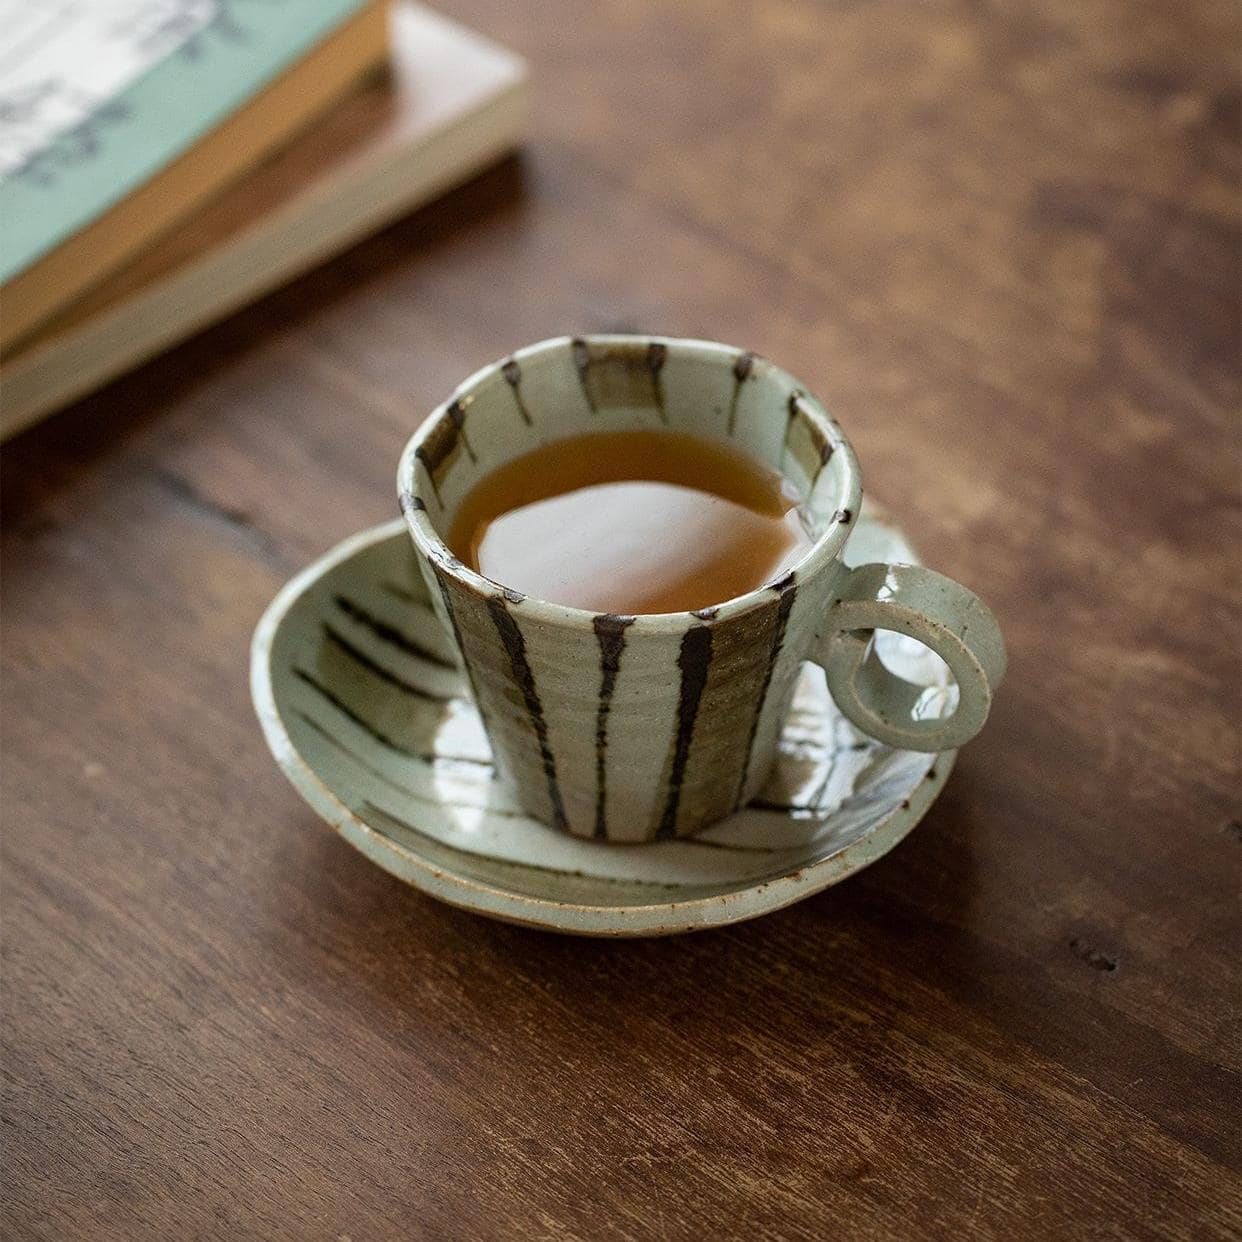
(365, 711)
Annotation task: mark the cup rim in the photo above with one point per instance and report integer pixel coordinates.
(822, 553)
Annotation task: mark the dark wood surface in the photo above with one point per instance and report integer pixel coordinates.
(1001, 241)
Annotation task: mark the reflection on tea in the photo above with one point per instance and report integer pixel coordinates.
(631, 522)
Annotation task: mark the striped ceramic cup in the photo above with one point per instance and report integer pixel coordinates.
(639, 728)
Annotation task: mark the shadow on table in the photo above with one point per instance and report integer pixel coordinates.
(875, 952)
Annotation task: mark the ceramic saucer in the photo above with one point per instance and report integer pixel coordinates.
(363, 707)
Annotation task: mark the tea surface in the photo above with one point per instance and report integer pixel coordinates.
(631, 522)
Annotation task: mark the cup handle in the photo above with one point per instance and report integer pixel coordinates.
(937, 611)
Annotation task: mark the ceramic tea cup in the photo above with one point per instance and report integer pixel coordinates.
(637, 728)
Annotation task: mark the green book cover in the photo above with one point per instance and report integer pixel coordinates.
(97, 96)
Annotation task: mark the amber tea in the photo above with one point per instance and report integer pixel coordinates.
(631, 522)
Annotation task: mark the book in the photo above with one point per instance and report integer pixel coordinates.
(117, 117)
(452, 103)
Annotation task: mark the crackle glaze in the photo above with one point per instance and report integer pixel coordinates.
(652, 727)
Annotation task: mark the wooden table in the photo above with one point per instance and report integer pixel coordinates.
(1002, 243)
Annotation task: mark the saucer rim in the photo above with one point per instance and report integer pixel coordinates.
(547, 913)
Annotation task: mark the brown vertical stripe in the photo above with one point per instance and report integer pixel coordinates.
(582, 363)
(621, 374)
(513, 377)
(457, 416)
(742, 367)
(515, 648)
(657, 352)
(808, 442)
(442, 582)
(792, 407)
(694, 660)
(787, 589)
(610, 631)
(422, 455)
(441, 442)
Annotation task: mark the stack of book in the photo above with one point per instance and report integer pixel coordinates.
(163, 162)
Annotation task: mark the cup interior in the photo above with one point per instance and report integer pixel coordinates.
(569, 386)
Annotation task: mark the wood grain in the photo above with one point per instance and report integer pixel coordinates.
(1002, 243)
